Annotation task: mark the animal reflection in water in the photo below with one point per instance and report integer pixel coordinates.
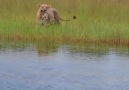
(43, 49)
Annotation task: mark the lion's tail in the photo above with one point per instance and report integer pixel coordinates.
(74, 17)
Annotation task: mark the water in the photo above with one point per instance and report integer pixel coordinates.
(63, 67)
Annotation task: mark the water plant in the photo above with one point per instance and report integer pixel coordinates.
(98, 21)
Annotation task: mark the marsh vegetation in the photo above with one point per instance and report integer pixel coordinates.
(98, 21)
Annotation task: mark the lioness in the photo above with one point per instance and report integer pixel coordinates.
(40, 13)
(51, 12)
(47, 19)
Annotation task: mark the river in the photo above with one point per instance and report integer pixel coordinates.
(63, 67)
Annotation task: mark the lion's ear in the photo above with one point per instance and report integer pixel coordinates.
(39, 5)
(49, 6)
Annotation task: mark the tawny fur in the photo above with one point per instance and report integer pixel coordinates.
(47, 19)
(40, 13)
(51, 13)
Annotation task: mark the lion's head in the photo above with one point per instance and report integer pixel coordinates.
(44, 7)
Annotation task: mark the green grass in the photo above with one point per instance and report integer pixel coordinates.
(98, 21)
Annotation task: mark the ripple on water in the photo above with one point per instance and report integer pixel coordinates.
(63, 68)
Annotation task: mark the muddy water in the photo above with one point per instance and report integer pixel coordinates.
(63, 67)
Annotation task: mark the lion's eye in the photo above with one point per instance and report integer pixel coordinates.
(41, 10)
(47, 7)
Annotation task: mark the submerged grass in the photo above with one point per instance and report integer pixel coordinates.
(98, 21)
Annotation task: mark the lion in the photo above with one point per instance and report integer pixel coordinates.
(47, 18)
(40, 13)
(52, 14)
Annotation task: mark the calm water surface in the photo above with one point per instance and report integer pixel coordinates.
(63, 67)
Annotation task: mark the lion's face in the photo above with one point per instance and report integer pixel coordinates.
(44, 7)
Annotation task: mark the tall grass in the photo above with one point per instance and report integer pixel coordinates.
(98, 21)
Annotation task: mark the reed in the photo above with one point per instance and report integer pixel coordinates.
(98, 21)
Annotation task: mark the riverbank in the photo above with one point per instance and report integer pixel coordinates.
(99, 32)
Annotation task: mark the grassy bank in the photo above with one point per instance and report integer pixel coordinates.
(98, 21)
